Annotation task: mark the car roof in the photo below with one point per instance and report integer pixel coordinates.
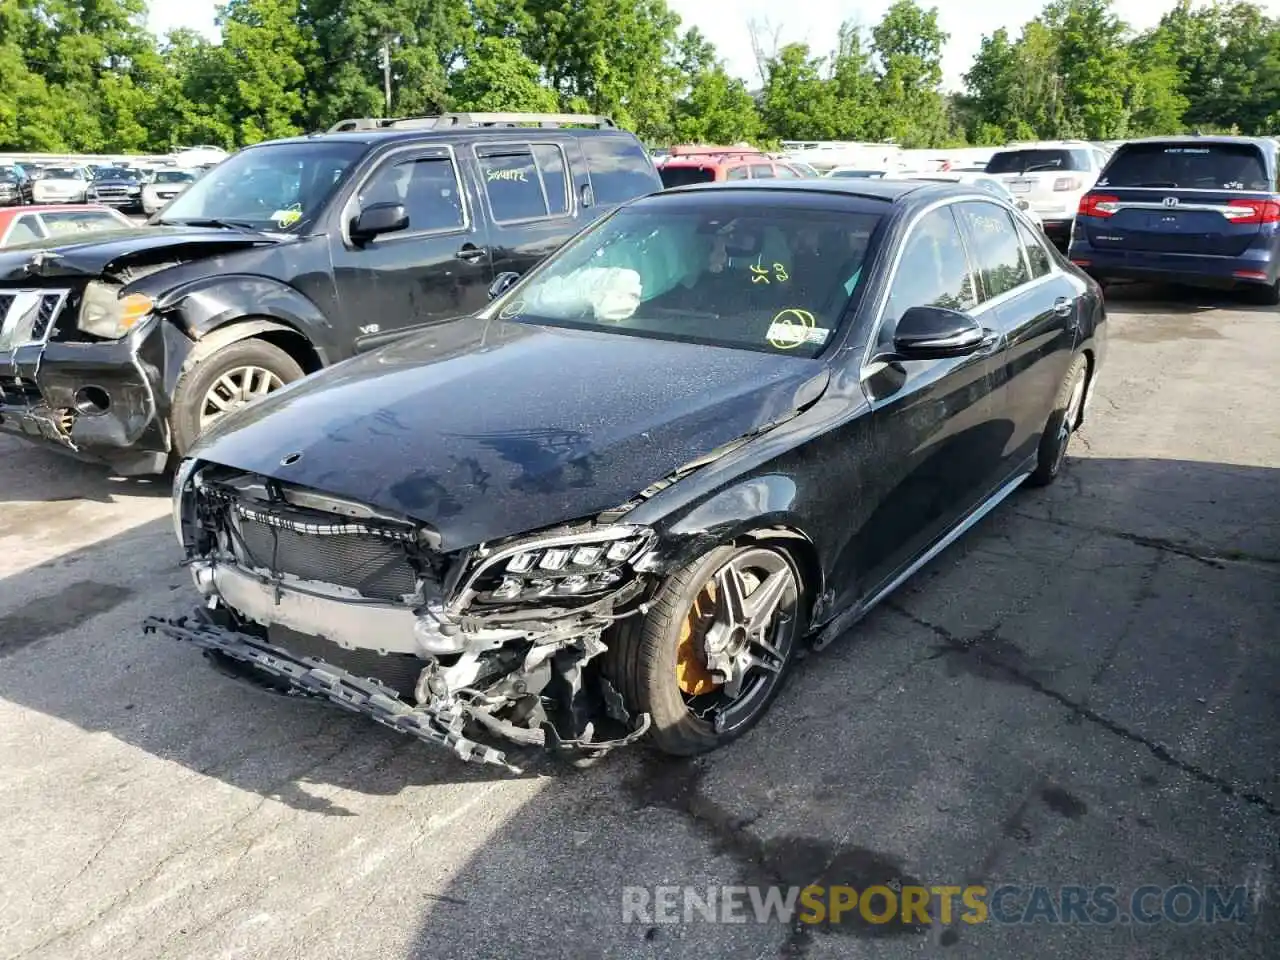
(416, 135)
(871, 189)
(1265, 143)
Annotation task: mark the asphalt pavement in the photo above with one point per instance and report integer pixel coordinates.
(1084, 690)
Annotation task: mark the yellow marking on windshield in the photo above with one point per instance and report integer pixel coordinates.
(790, 328)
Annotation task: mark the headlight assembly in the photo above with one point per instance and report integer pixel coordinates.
(556, 567)
(104, 313)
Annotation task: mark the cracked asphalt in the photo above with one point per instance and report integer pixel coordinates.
(1084, 690)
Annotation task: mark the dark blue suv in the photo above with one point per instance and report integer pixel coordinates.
(1196, 210)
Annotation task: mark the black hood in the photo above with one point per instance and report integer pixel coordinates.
(485, 429)
(96, 252)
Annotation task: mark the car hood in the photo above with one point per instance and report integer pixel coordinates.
(483, 429)
(93, 254)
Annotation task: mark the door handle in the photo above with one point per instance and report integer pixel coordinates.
(471, 253)
(1062, 307)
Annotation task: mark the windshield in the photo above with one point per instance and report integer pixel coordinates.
(1036, 161)
(115, 173)
(271, 187)
(1218, 166)
(773, 279)
(174, 176)
(8, 176)
(62, 173)
(683, 176)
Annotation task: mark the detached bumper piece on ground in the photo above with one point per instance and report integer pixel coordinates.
(441, 723)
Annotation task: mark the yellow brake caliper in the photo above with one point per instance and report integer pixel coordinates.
(691, 668)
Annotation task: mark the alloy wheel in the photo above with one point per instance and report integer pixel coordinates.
(736, 638)
(234, 389)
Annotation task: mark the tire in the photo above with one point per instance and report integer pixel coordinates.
(1265, 296)
(644, 651)
(1062, 423)
(194, 386)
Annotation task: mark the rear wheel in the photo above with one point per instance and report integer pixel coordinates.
(712, 652)
(1062, 423)
(236, 375)
(1267, 296)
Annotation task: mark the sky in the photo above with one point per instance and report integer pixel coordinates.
(815, 22)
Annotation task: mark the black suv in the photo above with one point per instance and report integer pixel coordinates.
(287, 257)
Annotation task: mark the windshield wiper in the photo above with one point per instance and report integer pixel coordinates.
(209, 222)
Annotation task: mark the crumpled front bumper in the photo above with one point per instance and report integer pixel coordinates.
(44, 388)
(441, 721)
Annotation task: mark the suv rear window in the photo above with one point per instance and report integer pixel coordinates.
(683, 176)
(1192, 166)
(620, 169)
(1037, 160)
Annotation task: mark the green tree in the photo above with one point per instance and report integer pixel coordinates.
(266, 46)
(797, 102)
(498, 76)
(854, 88)
(908, 44)
(716, 109)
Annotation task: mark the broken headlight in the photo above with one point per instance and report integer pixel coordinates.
(560, 567)
(104, 313)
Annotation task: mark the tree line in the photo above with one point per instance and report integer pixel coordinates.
(87, 76)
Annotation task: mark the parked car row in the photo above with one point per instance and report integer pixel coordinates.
(135, 189)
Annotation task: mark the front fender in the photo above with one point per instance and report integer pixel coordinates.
(203, 305)
(761, 508)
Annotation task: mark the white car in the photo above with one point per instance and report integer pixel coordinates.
(1051, 177)
(61, 185)
(166, 185)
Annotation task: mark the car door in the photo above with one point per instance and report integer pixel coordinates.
(528, 191)
(937, 428)
(438, 266)
(1034, 307)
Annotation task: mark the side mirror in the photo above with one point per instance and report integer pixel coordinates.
(377, 219)
(502, 283)
(935, 333)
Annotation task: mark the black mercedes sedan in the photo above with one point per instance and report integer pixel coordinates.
(721, 423)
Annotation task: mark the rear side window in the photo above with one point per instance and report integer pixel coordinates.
(1037, 255)
(555, 176)
(786, 173)
(761, 171)
(1191, 166)
(736, 173)
(683, 176)
(997, 251)
(1038, 160)
(512, 181)
(619, 168)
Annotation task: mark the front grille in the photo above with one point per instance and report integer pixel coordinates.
(378, 567)
(27, 316)
(111, 193)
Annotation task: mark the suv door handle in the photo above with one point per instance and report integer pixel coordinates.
(471, 253)
(1063, 306)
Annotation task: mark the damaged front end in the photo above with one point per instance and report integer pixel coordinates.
(326, 597)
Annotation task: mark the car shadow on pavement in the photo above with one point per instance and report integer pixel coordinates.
(1080, 691)
(47, 476)
(1173, 299)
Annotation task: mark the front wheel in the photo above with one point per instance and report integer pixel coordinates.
(711, 654)
(236, 375)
